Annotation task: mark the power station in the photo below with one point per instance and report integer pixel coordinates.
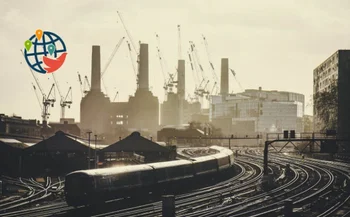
(103, 117)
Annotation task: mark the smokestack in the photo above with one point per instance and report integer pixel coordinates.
(181, 78)
(96, 68)
(143, 73)
(181, 88)
(224, 76)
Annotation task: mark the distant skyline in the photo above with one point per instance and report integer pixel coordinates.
(273, 44)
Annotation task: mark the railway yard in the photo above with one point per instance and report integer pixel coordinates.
(306, 187)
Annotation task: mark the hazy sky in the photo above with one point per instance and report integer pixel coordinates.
(272, 43)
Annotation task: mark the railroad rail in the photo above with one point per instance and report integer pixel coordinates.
(310, 183)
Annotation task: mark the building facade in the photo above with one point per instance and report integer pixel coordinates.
(335, 68)
(247, 113)
(17, 125)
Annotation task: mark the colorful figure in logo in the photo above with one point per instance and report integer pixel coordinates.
(45, 52)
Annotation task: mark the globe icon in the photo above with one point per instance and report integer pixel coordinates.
(39, 49)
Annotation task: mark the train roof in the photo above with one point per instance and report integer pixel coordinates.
(169, 163)
(204, 158)
(136, 143)
(220, 155)
(221, 149)
(114, 170)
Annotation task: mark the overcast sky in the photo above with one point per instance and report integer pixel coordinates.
(272, 43)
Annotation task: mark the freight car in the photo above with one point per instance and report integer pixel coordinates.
(98, 185)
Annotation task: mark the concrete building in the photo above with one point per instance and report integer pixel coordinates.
(16, 125)
(94, 106)
(144, 107)
(337, 68)
(112, 119)
(66, 125)
(170, 110)
(176, 110)
(246, 114)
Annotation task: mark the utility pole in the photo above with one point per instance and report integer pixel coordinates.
(95, 151)
(89, 133)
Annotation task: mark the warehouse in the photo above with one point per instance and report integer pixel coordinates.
(136, 148)
(10, 156)
(56, 155)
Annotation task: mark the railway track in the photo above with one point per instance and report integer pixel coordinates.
(238, 196)
(36, 192)
(310, 182)
(202, 198)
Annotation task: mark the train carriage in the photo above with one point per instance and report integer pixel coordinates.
(98, 185)
(101, 184)
(223, 161)
(205, 165)
(171, 175)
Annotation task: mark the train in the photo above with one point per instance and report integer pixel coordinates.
(95, 186)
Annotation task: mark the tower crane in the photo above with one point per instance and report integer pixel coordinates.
(133, 62)
(134, 48)
(81, 85)
(168, 82)
(215, 77)
(200, 90)
(194, 74)
(116, 95)
(65, 101)
(109, 62)
(86, 83)
(37, 96)
(47, 100)
(235, 77)
(211, 92)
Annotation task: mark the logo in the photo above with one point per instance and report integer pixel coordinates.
(45, 52)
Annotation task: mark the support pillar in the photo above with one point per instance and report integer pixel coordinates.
(168, 206)
(266, 152)
(288, 207)
(1, 188)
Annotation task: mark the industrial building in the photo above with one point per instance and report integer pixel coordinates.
(94, 106)
(56, 155)
(112, 119)
(176, 110)
(335, 68)
(10, 156)
(30, 130)
(135, 147)
(240, 114)
(255, 111)
(17, 125)
(165, 134)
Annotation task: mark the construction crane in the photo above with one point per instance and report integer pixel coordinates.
(194, 74)
(235, 77)
(215, 77)
(65, 101)
(47, 100)
(134, 48)
(168, 82)
(37, 97)
(133, 62)
(116, 95)
(81, 85)
(200, 90)
(211, 92)
(86, 83)
(109, 62)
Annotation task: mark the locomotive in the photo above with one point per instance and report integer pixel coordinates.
(87, 187)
